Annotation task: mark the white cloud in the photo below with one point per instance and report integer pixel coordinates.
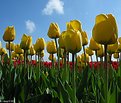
(54, 5)
(30, 26)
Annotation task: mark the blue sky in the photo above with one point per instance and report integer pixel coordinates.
(33, 17)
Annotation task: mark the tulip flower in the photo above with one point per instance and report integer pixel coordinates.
(100, 52)
(84, 38)
(32, 51)
(3, 51)
(9, 34)
(75, 25)
(18, 50)
(83, 58)
(89, 52)
(54, 31)
(94, 45)
(12, 46)
(116, 55)
(61, 40)
(109, 33)
(26, 42)
(112, 48)
(73, 41)
(51, 47)
(39, 45)
(14, 55)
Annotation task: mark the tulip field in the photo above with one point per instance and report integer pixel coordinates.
(92, 74)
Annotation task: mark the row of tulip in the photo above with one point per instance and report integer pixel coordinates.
(104, 42)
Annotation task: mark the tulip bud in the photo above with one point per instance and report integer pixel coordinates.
(89, 51)
(42, 54)
(9, 34)
(26, 42)
(112, 48)
(84, 38)
(94, 45)
(11, 46)
(14, 55)
(83, 57)
(3, 51)
(100, 52)
(75, 25)
(116, 55)
(39, 45)
(73, 41)
(51, 47)
(32, 51)
(18, 50)
(61, 40)
(50, 57)
(105, 29)
(54, 31)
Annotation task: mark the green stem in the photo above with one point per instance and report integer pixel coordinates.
(24, 58)
(96, 55)
(84, 55)
(74, 77)
(57, 54)
(65, 58)
(9, 51)
(52, 61)
(39, 59)
(106, 74)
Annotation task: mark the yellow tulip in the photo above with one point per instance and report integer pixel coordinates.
(3, 51)
(105, 29)
(83, 57)
(39, 45)
(75, 25)
(112, 48)
(21, 56)
(94, 45)
(78, 59)
(9, 34)
(32, 51)
(84, 38)
(12, 46)
(51, 47)
(89, 51)
(42, 54)
(26, 42)
(116, 55)
(100, 52)
(14, 55)
(50, 57)
(54, 31)
(73, 41)
(18, 50)
(61, 40)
